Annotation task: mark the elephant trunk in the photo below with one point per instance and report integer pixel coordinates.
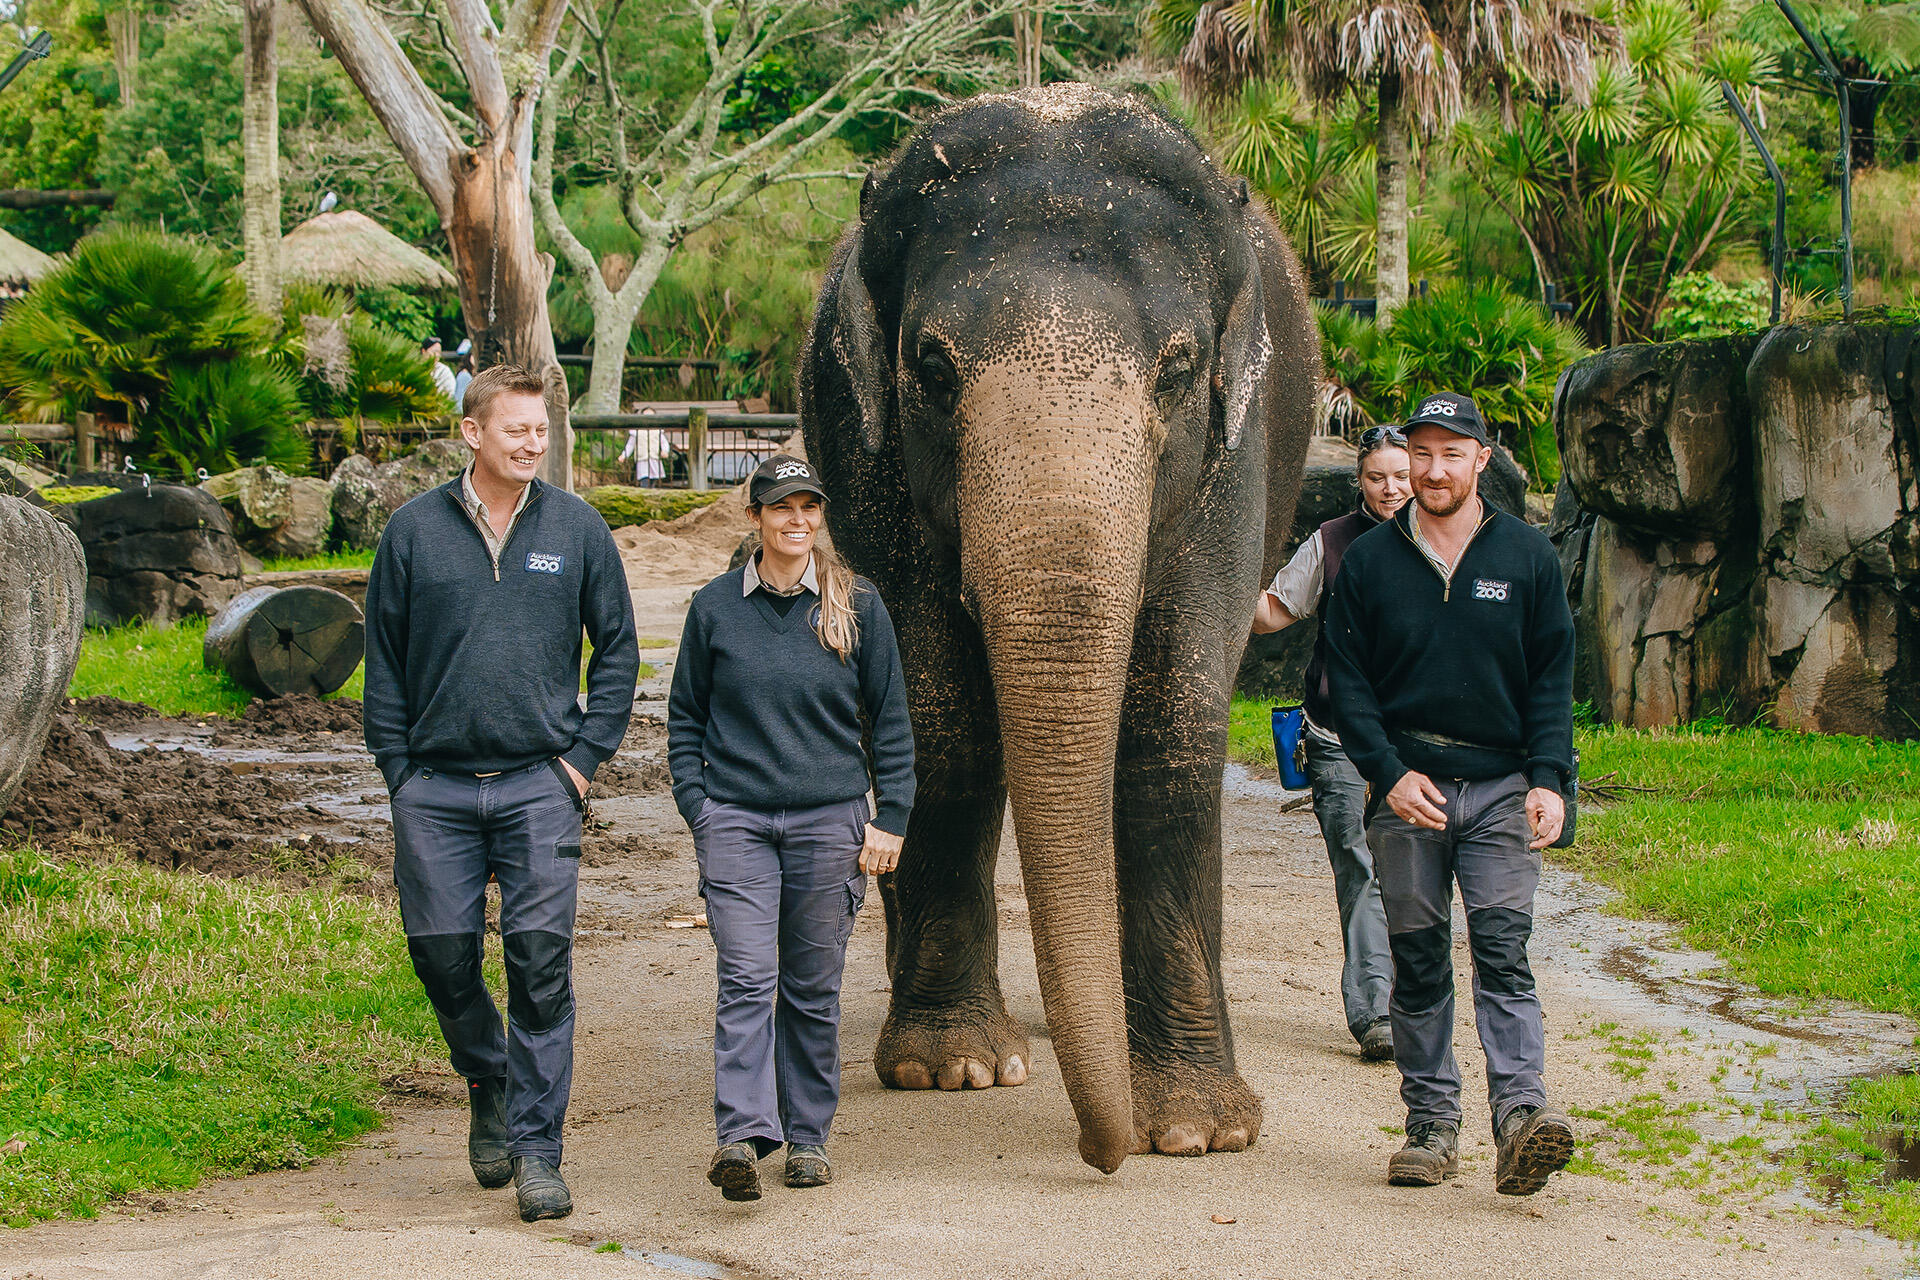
(1052, 555)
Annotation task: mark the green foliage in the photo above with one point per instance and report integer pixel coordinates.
(1699, 306)
(349, 559)
(414, 315)
(160, 1028)
(162, 329)
(766, 93)
(382, 376)
(622, 505)
(50, 139)
(1478, 338)
(227, 414)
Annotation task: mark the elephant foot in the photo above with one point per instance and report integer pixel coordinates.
(951, 1048)
(1184, 1110)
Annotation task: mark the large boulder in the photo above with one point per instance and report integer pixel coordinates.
(1748, 545)
(1652, 436)
(273, 513)
(155, 554)
(43, 590)
(365, 496)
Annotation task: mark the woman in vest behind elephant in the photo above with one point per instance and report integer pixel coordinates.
(781, 662)
(1300, 590)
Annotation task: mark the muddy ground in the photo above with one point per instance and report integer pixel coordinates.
(981, 1184)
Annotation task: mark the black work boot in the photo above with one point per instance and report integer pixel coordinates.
(1376, 1043)
(1430, 1156)
(542, 1192)
(487, 1132)
(736, 1171)
(1533, 1144)
(807, 1166)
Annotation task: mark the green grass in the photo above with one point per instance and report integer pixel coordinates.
(159, 1027)
(325, 560)
(1250, 733)
(161, 666)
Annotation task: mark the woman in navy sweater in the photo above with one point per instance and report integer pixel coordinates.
(780, 662)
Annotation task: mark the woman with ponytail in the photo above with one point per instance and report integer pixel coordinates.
(784, 663)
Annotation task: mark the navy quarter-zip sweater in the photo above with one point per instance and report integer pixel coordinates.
(1484, 662)
(475, 667)
(764, 715)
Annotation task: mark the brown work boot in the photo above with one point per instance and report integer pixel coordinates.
(1534, 1143)
(1430, 1156)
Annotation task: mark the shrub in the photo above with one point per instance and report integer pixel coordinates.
(377, 375)
(621, 505)
(1481, 339)
(1699, 306)
(161, 328)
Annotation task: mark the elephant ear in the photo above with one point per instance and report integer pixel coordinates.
(1245, 351)
(861, 349)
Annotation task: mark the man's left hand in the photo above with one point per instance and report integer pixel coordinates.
(580, 784)
(881, 853)
(1546, 813)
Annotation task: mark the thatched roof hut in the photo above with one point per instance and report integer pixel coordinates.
(20, 262)
(351, 249)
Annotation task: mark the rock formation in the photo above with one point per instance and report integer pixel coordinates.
(273, 513)
(1741, 523)
(365, 496)
(155, 555)
(43, 585)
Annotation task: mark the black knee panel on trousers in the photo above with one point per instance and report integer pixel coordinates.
(1499, 936)
(1422, 966)
(448, 965)
(539, 981)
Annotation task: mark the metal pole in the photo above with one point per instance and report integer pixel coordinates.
(1839, 83)
(36, 48)
(1779, 254)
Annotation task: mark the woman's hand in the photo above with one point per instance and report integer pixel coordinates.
(881, 853)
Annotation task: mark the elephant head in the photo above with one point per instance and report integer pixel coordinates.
(1051, 310)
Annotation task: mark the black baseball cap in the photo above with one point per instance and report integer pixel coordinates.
(781, 476)
(1455, 412)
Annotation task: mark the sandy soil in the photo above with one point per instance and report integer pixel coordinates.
(987, 1183)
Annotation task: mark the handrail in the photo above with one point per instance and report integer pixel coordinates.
(1840, 91)
(1779, 254)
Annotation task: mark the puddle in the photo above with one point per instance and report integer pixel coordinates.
(660, 1260)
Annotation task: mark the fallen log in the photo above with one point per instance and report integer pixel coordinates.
(280, 640)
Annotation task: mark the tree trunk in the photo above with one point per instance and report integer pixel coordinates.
(1392, 145)
(260, 144)
(1865, 106)
(503, 285)
(123, 37)
(614, 313)
(279, 640)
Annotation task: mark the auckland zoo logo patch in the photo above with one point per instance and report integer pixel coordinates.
(1442, 407)
(545, 562)
(1491, 589)
(788, 470)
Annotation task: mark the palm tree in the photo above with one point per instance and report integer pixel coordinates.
(1423, 60)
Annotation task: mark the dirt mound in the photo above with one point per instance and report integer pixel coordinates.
(185, 810)
(297, 713)
(111, 713)
(691, 549)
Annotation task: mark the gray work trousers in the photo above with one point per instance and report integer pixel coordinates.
(782, 888)
(1484, 847)
(451, 833)
(1340, 803)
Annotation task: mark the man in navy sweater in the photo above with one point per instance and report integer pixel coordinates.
(475, 608)
(1450, 663)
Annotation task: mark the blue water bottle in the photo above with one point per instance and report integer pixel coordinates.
(1289, 723)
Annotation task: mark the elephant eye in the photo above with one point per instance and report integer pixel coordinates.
(939, 379)
(1176, 378)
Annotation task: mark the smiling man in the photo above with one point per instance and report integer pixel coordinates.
(476, 604)
(1450, 663)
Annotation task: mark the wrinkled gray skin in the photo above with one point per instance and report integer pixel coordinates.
(1059, 385)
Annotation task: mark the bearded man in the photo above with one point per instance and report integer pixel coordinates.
(1450, 664)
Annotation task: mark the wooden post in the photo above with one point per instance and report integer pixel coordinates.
(697, 448)
(83, 436)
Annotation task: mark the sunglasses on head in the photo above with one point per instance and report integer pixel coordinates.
(1373, 437)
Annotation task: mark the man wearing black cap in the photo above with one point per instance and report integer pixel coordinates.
(1450, 664)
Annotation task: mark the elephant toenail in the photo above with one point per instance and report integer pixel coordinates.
(1231, 1140)
(1013, 1071)
(953, 1075)
(912, 1075)
(978, 1076)
(1182, 1140)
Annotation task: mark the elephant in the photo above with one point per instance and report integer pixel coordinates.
(1059, 384)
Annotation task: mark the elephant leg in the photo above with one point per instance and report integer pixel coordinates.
(1188, 1097)
(947, 1023)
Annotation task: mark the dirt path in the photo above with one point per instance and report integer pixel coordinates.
(987, 1184)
